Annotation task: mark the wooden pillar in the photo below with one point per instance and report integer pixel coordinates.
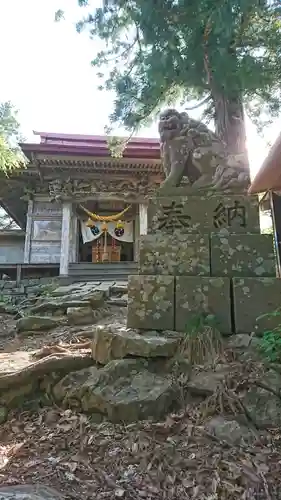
(74, 237)
(143, 218)
(18, 278)
(140, 228)
(136, 238)
(65, 237)
(275, 202)
(28, 231)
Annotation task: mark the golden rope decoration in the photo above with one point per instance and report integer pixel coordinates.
(105, 218)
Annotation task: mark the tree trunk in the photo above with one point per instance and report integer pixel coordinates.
(230, 123)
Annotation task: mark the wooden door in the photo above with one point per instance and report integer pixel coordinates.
(113, 254)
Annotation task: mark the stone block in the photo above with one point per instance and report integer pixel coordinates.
(80, 315)
(175, 255)
(254, 297)
(202, 295)
(109, 344)
(47, 280)
(30, 281)
(35, 323)
(203, 214)
(242, 255)
(151, 302)
(9, 285)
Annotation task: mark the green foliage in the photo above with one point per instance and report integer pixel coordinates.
(199, 322)
(162, 51)
(270, 343)
(9, 159)
(9, 125)
(11, 156)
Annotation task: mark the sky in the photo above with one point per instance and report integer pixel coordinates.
(46, 72)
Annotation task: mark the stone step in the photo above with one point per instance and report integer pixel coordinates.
(100, 277)
(99, 272)
(89, 266)
(117, 271)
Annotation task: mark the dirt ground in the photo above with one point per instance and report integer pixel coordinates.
(10, 341)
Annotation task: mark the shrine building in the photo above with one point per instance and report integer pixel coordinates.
(79, 209)
(267, 183)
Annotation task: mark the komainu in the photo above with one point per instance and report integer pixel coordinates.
(192, 152)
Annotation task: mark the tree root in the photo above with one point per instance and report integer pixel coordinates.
(55, 349)
(59, 361)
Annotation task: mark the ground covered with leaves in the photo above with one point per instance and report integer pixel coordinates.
(177, 458)
(174, 459)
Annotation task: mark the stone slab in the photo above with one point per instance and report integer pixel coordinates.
(189, 214)
(109, 344)
(202, 295)
(253, 297)
(242, 255)
(151, 302)
(175, 255)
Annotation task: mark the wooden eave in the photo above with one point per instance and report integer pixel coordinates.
(12, 233)
(46, 163)
(11, 201)
(98, 165)
(132, 152)
(268, 177)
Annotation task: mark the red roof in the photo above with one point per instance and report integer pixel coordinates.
(90, 145)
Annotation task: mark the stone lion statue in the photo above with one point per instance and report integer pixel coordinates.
(192, 152)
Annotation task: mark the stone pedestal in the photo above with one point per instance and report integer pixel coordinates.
(203, 254)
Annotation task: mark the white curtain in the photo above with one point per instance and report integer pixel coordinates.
(87, 234)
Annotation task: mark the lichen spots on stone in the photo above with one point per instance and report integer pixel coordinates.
(242, 255)
(157, 310)
(259, 271)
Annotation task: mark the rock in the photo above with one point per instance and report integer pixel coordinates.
(80, 315)
(239, 340)
(3, 306)
(263, 407)
(111, 342)
(205, 383)
(81, 298)
(124, 390)
(29, 492)
(246, 347)
(36, 323)
(3, 414)
(116, 301)
(120, 287)
(271, 380)
(96, 298)
(105, 287)
(7, 308)
(69, 390)
(16, 396)
(65, 290)
(229, 430)
(59, 305)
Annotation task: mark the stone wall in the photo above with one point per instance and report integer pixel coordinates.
(13, 293)
(204, 254)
